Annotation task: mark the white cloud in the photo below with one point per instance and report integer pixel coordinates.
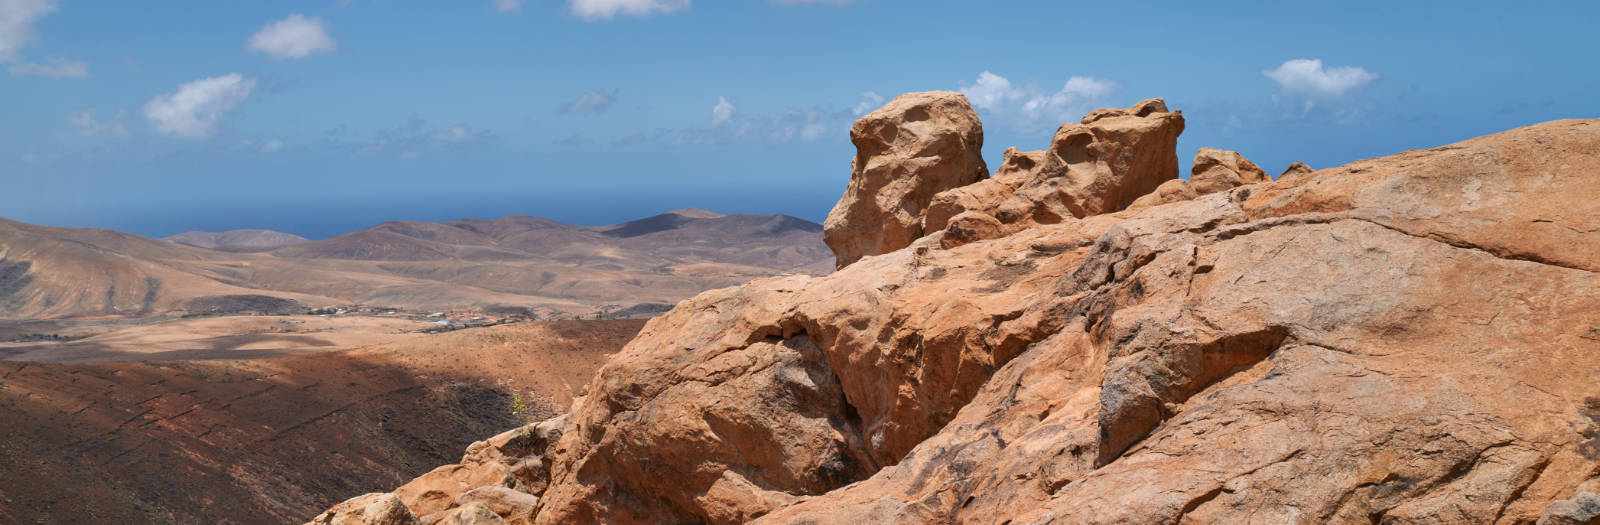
(1028, 106)
(1075, 99)
(271, 146)
(293, 37)
(607, 9)
(804, 2)
(590, 102)
(1307, 77)
(54, 68)
(991, 91)
(85, 125)
(16, 24)
(869, 101)
(508, 6)
(722, 113)
(194, 110)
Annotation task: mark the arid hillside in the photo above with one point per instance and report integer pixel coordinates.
(268, 441)
(1084, 338)
(515, 265)
(238, 240)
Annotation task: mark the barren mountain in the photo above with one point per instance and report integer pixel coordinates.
(515, 264)
(1410, 339)
(238, 240)
(272, 440)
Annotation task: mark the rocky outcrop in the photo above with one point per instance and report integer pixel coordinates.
(367, 509)
(917, 145)
(1098, 166)
(1217, 170)
(1371, 345)
(1295, 170)
(1409, 339)
(1214, 171)
(514, 461)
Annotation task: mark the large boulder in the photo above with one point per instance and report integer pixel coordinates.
(1217, 170)
(917, 145)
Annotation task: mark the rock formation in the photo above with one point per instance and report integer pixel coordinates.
(368, 509)
(1411, 339)
(1214, 170)
(1219, 170)
(1295, 170)
(917, 145)
(1098, 166)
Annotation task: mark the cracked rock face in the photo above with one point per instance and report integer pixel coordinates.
(1411, 339)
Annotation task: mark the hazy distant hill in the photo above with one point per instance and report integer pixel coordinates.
(683, 236)
(238, 240)
(514, 263)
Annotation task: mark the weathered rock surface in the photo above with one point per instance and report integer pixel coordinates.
(1411, 339)
(1214, 171)
(917, 145)
(368, 509)
(469, 514)
(513, 460)
(1295, 170)
(1217, 170)
(1098, 166)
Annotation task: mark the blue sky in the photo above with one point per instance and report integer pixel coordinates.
(321, 117)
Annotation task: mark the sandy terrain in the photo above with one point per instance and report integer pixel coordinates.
(225, 337)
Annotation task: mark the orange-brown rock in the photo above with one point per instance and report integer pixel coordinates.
(1370, 345)
(1214, 170)
(1217, 170)
(1101, 165)
(1175, 190)
(1411, 339)
(512, 460)
(470, 514)
(917, 145)
(1295, 170)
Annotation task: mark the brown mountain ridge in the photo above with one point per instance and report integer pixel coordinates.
(513, 264)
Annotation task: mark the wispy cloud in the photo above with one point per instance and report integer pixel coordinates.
(53, 68)
(84, 124)
(722, 113)
(16, 24)
(508, 6)
(607, 9)
(869, 102)
(414, 137)
(195, 109)
(1029, 107)
(293, 38)
(590, 102)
